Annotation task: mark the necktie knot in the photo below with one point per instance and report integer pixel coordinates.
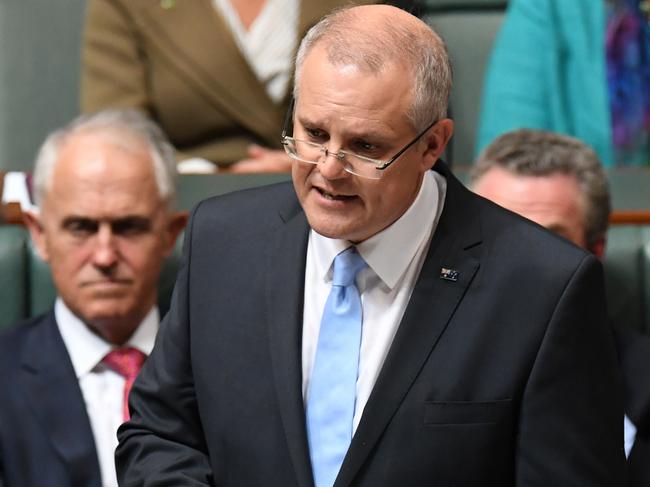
(347, 265)
(125, 361)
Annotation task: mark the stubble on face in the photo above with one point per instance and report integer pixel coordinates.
(343, 107)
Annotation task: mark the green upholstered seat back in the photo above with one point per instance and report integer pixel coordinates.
(40, 56)
(41, 288)
(13, 274)
(469, 28)
(627, 276)
(26, 287)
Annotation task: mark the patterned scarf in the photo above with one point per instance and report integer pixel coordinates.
(627, 42)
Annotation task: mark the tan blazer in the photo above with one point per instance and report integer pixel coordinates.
(181, 65)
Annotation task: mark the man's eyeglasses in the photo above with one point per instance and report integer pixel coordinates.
(314, 153)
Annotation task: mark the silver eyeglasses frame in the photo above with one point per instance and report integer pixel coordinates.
(288, 141)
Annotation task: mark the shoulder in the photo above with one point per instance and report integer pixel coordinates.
(520, 247)
(243, 216)
(22, 329)
(312, 11)
(117, 14)
(261, 206)
(502, 225)
(146, 11)
(30, 332)
(501, 237)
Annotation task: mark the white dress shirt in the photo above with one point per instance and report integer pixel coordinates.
(102, 388)
(394, 257)
(269, 44)
(629, 434)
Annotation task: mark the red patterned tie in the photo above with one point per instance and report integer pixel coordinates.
(127, 362)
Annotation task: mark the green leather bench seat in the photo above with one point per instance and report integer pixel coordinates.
(14, 283)
(627, 276)
(26, 288)
(40, 55)
(468, 28)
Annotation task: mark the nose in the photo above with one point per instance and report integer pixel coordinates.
(105, 253)
(331, 165)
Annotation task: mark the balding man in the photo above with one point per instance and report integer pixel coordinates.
(105, 187)
(376, 324)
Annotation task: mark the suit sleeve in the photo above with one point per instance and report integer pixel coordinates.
(163, 443)
(571, 417)
(114, 60)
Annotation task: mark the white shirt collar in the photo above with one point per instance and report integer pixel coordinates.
(87, 349)
(389, 252)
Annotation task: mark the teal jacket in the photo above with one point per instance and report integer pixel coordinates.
(547, 71)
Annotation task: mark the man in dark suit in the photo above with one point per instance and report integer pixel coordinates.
(558, 182)
(104, 186)
(483, 357)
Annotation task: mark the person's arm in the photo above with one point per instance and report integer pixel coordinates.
(519, 72)
(163, 443)
(571, 416)
(113, 63)
(262, 159)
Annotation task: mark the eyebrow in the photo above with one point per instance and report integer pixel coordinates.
(115, 223)
(306, 121)
(349, 135)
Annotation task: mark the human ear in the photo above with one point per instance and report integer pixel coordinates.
(32, 220)
(436, 140)
(176, 222)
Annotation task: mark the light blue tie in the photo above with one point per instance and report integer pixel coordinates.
(333, 383)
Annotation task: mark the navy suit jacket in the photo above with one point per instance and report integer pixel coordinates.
(504, 377)
(45, 434)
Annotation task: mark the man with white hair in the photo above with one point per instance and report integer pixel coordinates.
(375, 323)
(105, 190)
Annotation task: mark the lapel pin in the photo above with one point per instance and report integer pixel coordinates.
(449, 274)
(167, 4)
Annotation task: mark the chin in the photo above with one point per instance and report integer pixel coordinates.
(332, 230)
(108, 310)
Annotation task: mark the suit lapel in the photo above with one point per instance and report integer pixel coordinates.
(56, 401)
(219, 73)
(285, 271)
(210, 62)
(430, 308)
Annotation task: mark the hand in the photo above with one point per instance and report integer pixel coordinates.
(261, 159)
